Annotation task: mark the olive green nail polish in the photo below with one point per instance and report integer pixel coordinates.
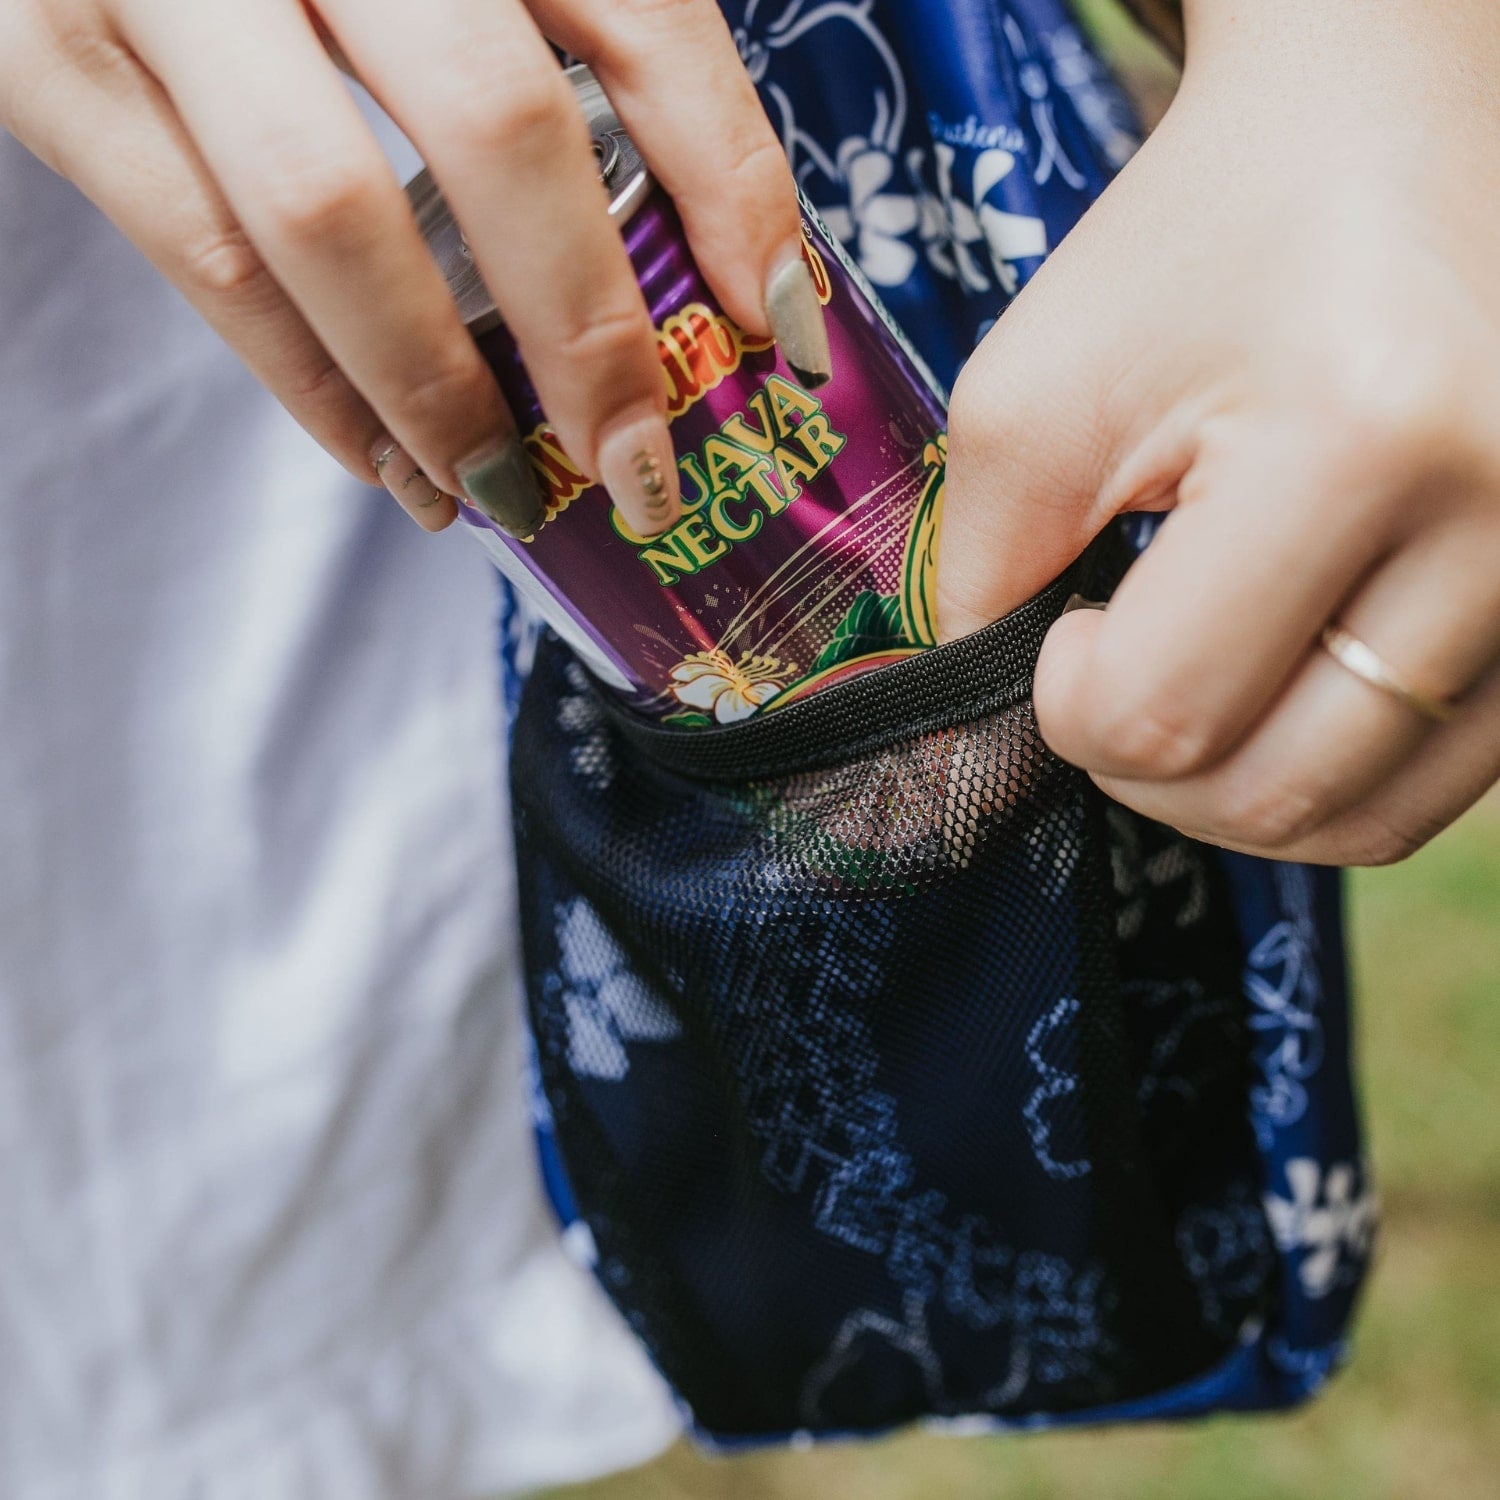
(501, 482)
(798, 323)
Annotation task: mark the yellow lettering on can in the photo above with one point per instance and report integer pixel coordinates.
(792, 467)
(726, 462)
(789, 401)
(759, 480)
(821, 442)
(738, 430)
(701, 488)
(671, 552)
(702, 545)
(719, 517)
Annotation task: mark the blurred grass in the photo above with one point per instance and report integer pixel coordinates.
(1143, 67)
(1416, 1416)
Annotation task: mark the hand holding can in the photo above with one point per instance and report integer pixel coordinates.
(810, 473)
(218, 135)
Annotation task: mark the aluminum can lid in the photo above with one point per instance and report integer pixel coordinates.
(621, 170)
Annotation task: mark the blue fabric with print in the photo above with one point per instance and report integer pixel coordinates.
(950, 146)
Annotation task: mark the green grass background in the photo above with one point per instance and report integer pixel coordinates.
(1416, 1415)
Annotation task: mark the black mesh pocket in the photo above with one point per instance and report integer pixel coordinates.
(893, 1070)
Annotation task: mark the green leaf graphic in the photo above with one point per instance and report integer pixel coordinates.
(872, 624)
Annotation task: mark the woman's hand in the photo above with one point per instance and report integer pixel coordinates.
(1282, 324)
(218, 135)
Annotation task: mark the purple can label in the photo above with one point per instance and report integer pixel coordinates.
(808, 542)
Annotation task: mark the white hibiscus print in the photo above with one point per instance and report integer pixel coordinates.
(958, 227)
(1325, 1218)
(875, 222)
(714, 683)
(607, 1005)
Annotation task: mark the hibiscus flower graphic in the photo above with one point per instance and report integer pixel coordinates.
(1328, 1217)
(714, 683)
(875, 222)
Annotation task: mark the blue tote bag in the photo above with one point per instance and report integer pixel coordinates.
(884, 1069)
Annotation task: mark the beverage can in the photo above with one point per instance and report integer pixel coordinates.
(807, 547)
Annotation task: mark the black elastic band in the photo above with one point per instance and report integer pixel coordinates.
(952, 684)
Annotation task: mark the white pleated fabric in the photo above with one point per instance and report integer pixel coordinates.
(269, 1226)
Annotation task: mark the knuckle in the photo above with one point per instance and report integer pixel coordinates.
(445, 395)
(85, 43)
(967, 401)
(1270, 814)
(971, 415)
(520, 113)
(1397, 410)
(42, 56)
(989, 424)
(609, 344)
(318, 394)
(1388, 847)
(318, 383)
(320, 199)
(1376, 840)
(755, 164)
(1154, 742)
(627, 29)
(223, 265)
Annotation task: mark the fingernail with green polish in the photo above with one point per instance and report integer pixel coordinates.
(798, 323)
(501, 482)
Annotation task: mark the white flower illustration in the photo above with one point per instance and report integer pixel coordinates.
(955, 224)
(729, 690)
(606, 1003)
(1325, 1218)
(1032, 77)
(1283, 980)
(948, 212)
(871, 220)
(876, 221)
(1104, 110)
(581, 718)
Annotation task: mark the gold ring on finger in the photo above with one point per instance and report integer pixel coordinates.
(1354, 656)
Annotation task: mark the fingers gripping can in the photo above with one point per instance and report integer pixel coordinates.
(807, 547)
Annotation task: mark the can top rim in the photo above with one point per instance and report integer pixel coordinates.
(621, 170)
